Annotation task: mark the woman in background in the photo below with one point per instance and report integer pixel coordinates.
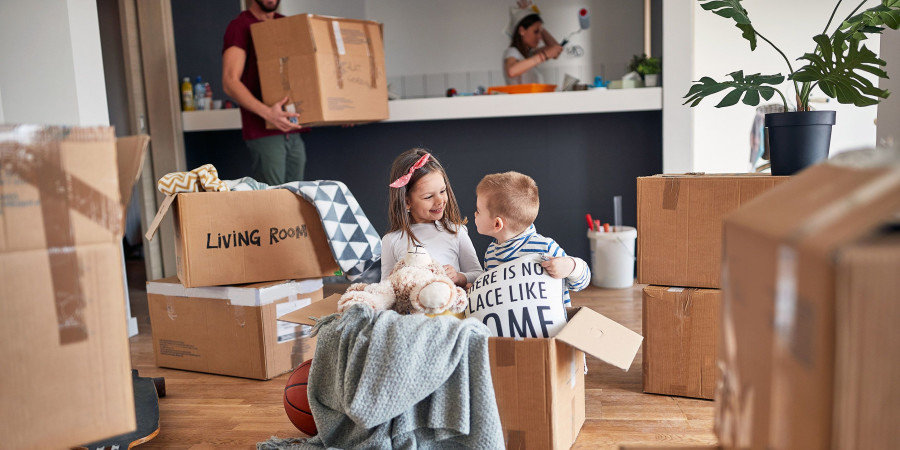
(526, 29)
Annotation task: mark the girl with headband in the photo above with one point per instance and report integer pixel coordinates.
(423, 211)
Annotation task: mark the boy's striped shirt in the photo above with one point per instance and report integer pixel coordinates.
(530, 242)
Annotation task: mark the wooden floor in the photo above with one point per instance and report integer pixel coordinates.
(212, 411)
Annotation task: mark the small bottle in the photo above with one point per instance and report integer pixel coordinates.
(207, 102)
(187, 95)
(199, 93)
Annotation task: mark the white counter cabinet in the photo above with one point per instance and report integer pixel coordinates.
(476, 107)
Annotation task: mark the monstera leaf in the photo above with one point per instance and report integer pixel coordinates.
(837, 68)
(732, 9)
(873, 20)
(751, 87)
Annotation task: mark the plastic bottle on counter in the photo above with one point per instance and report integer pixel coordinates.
(187, 95)
(207, 103)
(199, 93)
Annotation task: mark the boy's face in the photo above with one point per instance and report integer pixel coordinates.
(484, 220)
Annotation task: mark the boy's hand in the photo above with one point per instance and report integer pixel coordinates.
(458, 278)
(560, 267)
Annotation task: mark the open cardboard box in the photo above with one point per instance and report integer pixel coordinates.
(538, 382)
(66, 367)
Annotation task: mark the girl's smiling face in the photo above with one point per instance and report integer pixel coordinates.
(427, 199)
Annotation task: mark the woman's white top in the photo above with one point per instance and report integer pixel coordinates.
(445, 247)
(531, 76)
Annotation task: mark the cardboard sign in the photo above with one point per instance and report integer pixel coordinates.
(518, 299)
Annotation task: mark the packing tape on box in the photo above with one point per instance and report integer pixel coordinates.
(334, 32)
(34, 155)
(670, 194)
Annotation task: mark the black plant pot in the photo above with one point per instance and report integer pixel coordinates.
(798, 140)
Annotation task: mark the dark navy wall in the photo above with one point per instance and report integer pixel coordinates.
(579, 162)
(199, 29)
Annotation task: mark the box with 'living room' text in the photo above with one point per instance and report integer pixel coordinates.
(331, 69)
(238, 237)
(231, 330)
(538, 382)
(679, 222)
(809, 331)
(66, 366)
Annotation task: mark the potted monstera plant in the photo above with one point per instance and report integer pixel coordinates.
(837, 66)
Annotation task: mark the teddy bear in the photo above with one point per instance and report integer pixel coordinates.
(416, 284)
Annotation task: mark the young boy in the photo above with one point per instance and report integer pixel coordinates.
(506, 205)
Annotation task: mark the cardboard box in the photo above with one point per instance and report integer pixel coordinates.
(539, 383)
(681, 332)
(66, 367)
(679, 223)
(239, 237)
(809, 310)
(331, 69)
(231, 330)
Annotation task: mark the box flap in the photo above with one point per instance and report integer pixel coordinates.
(130, 152)
(828, 204)
(601, 337)
(160, 213)
(304, 315)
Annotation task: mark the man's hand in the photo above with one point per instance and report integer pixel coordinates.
(458, 278)
(276, 115)
(560, 267)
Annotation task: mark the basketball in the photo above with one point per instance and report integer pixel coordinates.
(296, 404)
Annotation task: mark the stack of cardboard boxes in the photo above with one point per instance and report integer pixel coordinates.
(244, 259)
(679, 254)
(66, 370)
(208, 319)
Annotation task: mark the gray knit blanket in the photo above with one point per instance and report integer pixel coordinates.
(382, 380)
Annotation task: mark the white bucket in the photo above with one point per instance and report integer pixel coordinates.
(612, 257)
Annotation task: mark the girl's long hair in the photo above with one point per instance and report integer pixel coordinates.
(397, 209)
(526, 22)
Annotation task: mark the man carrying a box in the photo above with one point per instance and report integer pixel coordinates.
(279, 156)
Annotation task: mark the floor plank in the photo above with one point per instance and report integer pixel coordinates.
(203, 411)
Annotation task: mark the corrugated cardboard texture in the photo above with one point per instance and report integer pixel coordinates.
(539, 385)
(331, 69)
(867, 289)
(213, 336)
(679, 222)
(779, 303)
(66, 367)
(224, 238)
(681, 332)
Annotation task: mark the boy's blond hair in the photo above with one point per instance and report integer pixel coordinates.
(512, 196)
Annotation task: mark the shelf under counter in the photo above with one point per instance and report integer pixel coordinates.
(476, 107)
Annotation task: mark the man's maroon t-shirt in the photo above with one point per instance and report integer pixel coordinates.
(238, 35)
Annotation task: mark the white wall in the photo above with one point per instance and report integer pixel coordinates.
(721, 135)
(52, 70)
(678, 71)
(431, 45)
(888, 129)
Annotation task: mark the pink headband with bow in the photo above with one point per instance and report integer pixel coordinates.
(402, 181)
